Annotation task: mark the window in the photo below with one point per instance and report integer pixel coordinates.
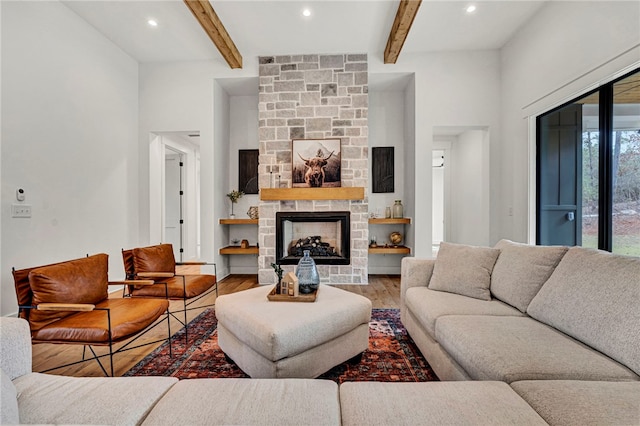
(588, 170)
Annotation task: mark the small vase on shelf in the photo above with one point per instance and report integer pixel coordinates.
(398, 212)
(307, 274)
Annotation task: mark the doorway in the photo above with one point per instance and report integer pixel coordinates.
(440, 180)
(173, 206)
(174, 192)
(465, 204)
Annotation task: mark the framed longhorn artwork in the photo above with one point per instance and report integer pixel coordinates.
(316, 163)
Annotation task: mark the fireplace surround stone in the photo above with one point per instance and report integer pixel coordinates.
(314, 97)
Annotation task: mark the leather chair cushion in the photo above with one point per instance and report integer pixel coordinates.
(128, 317)
(195, 285)
(127, 260)
(23, 288)
(158, 258)
(82, 280)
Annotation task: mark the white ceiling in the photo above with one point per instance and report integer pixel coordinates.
(269, 27)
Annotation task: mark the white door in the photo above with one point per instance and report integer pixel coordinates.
(173, 207)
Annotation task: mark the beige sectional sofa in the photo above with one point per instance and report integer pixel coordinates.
(537, 351)
(546, 320)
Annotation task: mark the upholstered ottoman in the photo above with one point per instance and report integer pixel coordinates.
(269, 339)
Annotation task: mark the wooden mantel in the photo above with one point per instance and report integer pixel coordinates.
(281, 194)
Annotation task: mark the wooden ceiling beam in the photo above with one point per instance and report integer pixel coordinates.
(407, 10)
(204, 13)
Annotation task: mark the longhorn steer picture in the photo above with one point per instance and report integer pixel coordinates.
(314, 176)
(316, 163)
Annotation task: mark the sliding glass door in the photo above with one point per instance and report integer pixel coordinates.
(625, 171)
(588, 170)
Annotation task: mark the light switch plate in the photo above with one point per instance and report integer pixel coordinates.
(20, 210)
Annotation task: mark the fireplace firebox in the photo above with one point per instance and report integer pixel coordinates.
(325, 234)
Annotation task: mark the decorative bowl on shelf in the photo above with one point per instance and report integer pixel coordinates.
(395, 238)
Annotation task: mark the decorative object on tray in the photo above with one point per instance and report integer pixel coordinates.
(395, 238)
(398, 210)
(275, 297)
(307, 274)
(234, 196)
(253, 212)
(279, 271)
(289, 285)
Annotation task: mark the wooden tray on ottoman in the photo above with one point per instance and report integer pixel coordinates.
(272, 296)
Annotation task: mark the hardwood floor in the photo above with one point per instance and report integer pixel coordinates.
(383, 291)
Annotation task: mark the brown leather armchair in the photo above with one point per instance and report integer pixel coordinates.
(68, 303)
(158, 263)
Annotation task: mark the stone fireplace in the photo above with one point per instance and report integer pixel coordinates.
(327, 236)
(314, 97)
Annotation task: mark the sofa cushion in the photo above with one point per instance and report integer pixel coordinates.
(15, 347)
(83, 280)
(441, 403)
(50, 399)
(520, 348)
(594, 296)
(579, 403)
(248, 402)
(158, 258)
(464, 270)
(521, 270)
(428, 305)
(9, 414)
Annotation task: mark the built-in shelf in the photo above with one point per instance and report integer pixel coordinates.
(390, 250)
(389, 221)
(238, 221)
(342, 193)
(239, 250)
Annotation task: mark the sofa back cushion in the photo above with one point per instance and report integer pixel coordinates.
(83, 280)
(464, 270)
(594, 297)
(521, 270)
(158, 258)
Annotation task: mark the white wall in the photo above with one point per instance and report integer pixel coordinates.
(386, 128)
(69, 120)
(451, 89)
(469, 189)
(409, 164)
(243, 134)
(220, 165)
(567, 49)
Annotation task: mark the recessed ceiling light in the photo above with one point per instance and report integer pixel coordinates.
(471, 8)
(152, 23)
(306, 12)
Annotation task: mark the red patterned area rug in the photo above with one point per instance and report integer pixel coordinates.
(392, 355)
